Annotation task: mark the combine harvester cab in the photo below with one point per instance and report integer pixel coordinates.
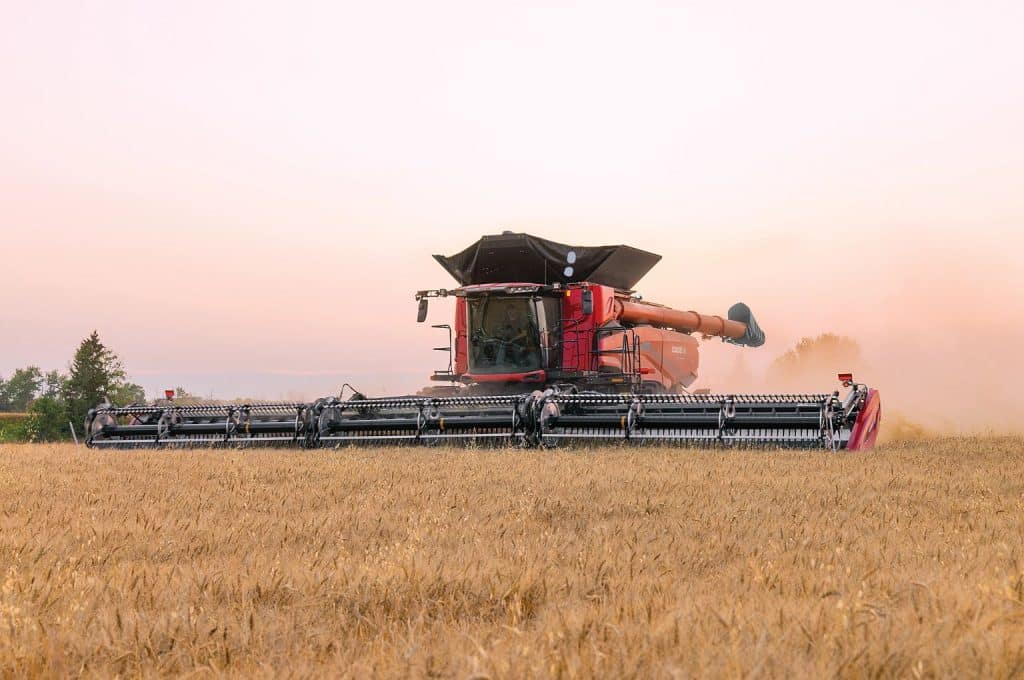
(549, 345)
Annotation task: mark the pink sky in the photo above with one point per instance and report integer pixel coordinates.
(242, 199)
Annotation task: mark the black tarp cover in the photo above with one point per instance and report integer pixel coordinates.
(512, 258)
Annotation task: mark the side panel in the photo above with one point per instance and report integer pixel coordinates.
(578, 328)
(666, 357)
(673, 356)
(461, 337)
(865, 430)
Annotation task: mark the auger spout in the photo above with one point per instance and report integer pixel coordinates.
(685, 322)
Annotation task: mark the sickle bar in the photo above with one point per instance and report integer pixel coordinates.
(822, 421)
(236, 425)
(420, 420)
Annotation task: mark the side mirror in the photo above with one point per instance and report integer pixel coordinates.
(421, 313)
(588, 302)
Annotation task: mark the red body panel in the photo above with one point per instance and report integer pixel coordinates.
(865, 430)
(667, 358)
(532, 377)
(578, 329)
(461, 337)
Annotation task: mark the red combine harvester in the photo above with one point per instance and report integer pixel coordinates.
(549, 344)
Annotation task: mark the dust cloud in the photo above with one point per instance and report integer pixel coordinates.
(947, 388)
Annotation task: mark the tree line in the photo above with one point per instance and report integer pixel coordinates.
(53, 400)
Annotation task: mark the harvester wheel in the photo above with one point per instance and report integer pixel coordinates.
(549, 411)
(100, 421)
(653, 387)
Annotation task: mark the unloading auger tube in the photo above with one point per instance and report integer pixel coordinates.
(541, 418)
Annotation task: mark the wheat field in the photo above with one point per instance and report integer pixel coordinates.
(906, 561)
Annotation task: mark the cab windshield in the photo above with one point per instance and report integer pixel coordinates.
(504, 334)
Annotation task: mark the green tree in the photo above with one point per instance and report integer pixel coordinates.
(47, 421)
(20, 389)
(96, 375)
(53, 381)
(128, 393)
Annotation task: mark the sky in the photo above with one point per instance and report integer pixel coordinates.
(242, 198)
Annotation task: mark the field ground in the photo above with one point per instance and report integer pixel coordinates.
(906, 561)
